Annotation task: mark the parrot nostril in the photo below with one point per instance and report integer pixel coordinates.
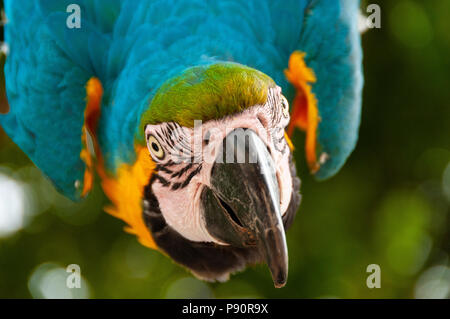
(230, 212)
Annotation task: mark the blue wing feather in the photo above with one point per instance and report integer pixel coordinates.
(46, 93)
(134, 46)
(335, 56)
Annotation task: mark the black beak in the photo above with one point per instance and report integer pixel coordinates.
(242, 207)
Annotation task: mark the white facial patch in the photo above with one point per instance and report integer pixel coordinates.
(185, 157)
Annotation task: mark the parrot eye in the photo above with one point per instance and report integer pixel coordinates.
(155, 147)
(284, 106)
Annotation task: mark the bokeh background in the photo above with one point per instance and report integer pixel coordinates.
(388, 206)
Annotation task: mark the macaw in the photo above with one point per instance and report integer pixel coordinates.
(149, 96)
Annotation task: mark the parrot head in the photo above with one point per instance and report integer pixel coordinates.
(224, 188)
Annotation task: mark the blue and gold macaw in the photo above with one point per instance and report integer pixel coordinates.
(151, 96)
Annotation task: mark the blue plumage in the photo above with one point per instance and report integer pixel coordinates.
(134, 46)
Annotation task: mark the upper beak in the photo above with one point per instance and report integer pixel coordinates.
(242, 207)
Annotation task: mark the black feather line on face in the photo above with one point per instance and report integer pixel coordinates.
(186, 182)
(191, 175)
(175, 186)
(182, 171)
(160, 137)
(169, 163)
(170, 142)
(162, 180)
(170, 128)
(162, 168)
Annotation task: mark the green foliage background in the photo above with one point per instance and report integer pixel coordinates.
(388, 206)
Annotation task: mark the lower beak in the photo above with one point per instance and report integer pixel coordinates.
(242, 206)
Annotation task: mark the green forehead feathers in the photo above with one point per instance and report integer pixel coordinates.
(206, 93)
